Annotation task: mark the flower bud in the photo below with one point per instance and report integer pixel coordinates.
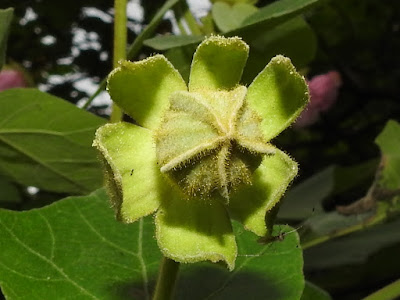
(323, 94)
(11, 79)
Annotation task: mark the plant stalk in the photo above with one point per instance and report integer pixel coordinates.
(166, 279)
(120, 39)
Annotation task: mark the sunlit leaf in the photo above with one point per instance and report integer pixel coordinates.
(75, 249)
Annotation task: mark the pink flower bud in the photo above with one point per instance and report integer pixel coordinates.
(11, 79)
(324, 90)
(323, 94)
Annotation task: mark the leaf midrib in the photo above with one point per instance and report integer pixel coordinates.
(45, 132)
(49, 167)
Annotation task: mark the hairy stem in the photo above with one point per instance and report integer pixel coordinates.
(120, 36)
(166, 279)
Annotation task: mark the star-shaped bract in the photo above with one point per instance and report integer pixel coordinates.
(200, 154)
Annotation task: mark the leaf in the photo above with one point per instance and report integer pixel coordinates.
(229, 17)
(306, 198)
(274, 14)
(74, 249)
(389, 142)
(313, 292)
(165, 42)
(352, 249)
(46, 142)
(6, 16)
(263, 20)
(272, 271)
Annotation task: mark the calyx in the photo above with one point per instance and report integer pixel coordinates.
(210, 142)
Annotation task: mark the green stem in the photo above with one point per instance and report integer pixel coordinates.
(166, 279)
(389, 292)
(120, 36)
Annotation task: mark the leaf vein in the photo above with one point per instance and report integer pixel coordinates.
(52, 264)
(106, 241)
(53, 240)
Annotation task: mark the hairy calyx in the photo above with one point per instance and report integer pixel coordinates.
(210, 142)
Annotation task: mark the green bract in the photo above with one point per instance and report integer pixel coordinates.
(200, 154)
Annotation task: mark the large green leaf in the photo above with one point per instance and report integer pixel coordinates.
(389, 142)
(5, 22)
(75, 249)
(273, 271)
(46, 142)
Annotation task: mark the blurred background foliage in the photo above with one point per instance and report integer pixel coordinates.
(65, 47)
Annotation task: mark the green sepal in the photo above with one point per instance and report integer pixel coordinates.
(278, 94)
(195, 230)
(133, 178)
(218, 64)
(186, 131)
(142, 88)
(251, 204)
